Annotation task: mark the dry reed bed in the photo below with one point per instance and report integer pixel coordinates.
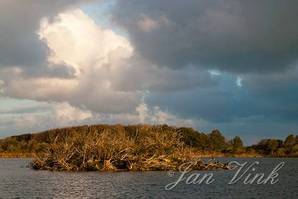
(114, 148)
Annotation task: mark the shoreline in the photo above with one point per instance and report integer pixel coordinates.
(32, 155)
(16, 155)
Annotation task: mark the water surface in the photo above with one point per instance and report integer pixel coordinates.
(19, 181)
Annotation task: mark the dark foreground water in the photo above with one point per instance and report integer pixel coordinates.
(19, 181)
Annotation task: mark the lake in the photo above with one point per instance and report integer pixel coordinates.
(19, 181)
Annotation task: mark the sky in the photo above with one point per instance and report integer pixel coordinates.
(230, 65)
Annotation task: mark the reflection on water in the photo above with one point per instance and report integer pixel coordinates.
(17, 180)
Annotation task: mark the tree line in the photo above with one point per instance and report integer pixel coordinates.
(207, 142)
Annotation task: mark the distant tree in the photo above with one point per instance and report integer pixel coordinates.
(195, 139)
(281, 152)
(204, 141)
(268, 146)
(190, 137)
(289, 142)
(295, 150)
(236, 144)
(217, 140)
(273, 145)
(251, 149)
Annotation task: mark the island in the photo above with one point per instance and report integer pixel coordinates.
(135, 148)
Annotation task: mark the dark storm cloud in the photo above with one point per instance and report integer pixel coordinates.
(153, 78)
(258, 39)
(227, 102)
(19, 22)
(237, 36)
(262, 107)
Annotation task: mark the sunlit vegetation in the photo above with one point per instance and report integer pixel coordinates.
(279, 148)
(134, 147)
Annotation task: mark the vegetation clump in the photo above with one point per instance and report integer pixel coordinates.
(135, 147)
(114, 148)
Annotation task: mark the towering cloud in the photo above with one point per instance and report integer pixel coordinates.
(105, 75)
(90, 52)
(19, 20)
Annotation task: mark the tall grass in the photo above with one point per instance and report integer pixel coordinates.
(112, 148)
